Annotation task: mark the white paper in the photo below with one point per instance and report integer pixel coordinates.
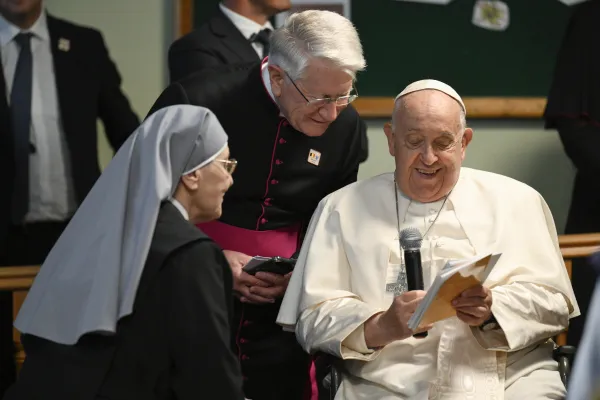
(463, 267)
(340, 6)
(491, 14)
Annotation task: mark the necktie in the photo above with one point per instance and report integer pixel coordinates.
(20, 112)
(263, 37)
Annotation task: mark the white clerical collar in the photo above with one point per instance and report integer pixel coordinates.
(181, 209)
(8, 31)
(245, 25)
(266, 79)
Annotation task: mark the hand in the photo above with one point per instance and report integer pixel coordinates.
(242, 281)
(474, 305)
(392, 324)
(277, 285)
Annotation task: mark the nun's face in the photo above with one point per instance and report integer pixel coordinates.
(213, 181)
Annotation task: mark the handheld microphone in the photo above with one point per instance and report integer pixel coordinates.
(411, 240)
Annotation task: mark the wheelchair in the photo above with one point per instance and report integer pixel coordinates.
(562, 354)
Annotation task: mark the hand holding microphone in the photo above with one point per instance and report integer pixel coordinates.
(391, 325)
(411, 241)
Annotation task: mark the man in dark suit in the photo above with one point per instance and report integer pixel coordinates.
(237, 33)
(57, 81)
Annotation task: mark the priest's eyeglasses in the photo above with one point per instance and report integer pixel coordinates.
(229, 165)
(340, 101)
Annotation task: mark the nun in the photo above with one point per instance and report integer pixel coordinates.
(134, 301)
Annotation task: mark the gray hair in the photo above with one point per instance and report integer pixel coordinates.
(316, 34)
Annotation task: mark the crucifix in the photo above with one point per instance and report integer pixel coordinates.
(400, 286)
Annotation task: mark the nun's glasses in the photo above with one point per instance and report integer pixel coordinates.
(229, 165)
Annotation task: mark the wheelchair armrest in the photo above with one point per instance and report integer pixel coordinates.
(564, 356)
(333, 377)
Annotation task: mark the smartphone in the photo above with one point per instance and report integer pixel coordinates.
(275, 265)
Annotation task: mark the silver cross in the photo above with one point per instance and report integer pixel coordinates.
(400, 286)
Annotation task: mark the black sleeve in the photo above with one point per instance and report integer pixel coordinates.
(581, 140)
(364, 141)
(186, 61)
(114, 109)
(199, 325)
(173, 94)
(356, 151)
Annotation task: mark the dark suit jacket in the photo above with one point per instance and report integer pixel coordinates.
(216, 43)
(88, 88)
(175, 345)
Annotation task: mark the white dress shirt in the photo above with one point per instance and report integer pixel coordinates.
(51, 193)
(247, 27)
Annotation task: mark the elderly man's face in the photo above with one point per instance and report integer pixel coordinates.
(428, 143)
(320, 81)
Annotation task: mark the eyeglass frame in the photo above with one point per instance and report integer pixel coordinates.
(313, 102)
(229, 165)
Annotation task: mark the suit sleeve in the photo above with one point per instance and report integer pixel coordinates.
(114, 109)
(581, 140)
(184, 61)
(199, 325)
(173, 94)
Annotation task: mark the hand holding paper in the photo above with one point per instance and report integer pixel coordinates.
(456, 278)
(473, 306)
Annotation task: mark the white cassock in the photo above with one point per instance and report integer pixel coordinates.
(351, 253)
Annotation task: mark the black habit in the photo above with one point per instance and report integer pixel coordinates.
(275, 187)
(174, 346)
(573, 109)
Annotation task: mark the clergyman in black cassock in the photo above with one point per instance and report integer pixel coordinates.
(274, 118)
(134, 302)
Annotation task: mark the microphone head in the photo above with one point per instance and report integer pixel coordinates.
(410, 238)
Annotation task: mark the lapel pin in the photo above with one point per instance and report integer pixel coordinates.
(64, 44)
(314, 157)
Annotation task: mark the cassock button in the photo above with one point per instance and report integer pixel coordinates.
(278, 162)
(274, 181)
(245, 357)
(242, 341)
(267, 202)
(282, 141)
(263, 221)
(246, 323)
(285, 123)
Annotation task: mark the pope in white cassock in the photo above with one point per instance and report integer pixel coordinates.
(341, 299)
